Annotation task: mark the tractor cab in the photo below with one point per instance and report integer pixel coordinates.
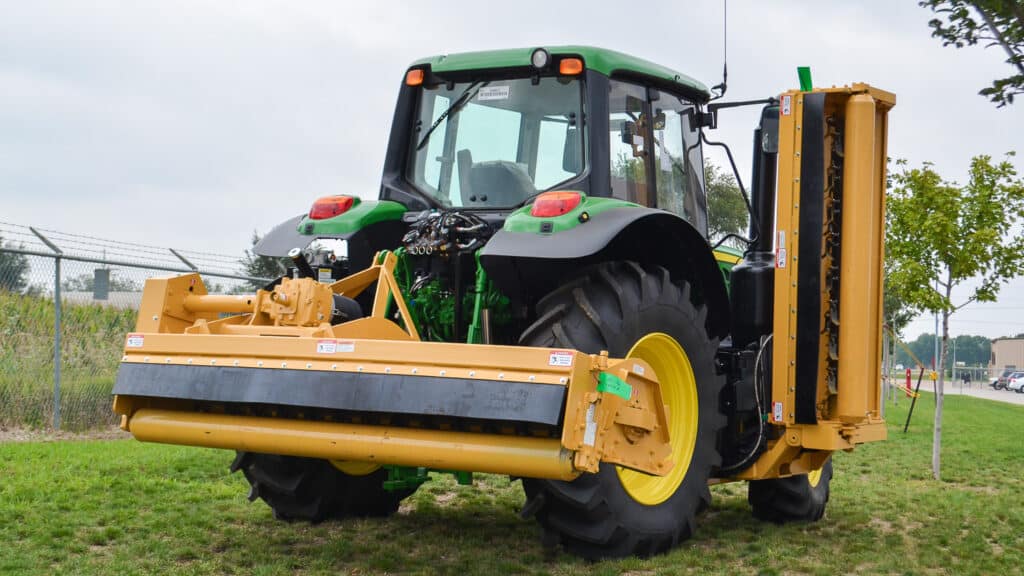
(492, 131)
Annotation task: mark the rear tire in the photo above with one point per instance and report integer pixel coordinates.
(314, 490)
(791, 499)
(611, 308)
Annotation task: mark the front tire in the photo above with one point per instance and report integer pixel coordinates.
(314, 490)
(800, 498)
(616, 513)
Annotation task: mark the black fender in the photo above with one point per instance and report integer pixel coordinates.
(526, 266)
(362, 243)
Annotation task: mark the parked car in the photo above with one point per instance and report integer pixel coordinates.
(1015, 382)
(1000, 382)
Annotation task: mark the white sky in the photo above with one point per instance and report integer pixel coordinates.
(192, 123)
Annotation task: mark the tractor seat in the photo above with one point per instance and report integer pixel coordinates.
(497, 183)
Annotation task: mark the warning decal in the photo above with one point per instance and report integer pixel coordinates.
(334, 346)
(560, 358)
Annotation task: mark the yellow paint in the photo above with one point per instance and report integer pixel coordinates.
(679, 390)
(512, 455)
(814, 477)
(355, 468)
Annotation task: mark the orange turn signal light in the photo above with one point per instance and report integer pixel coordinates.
(570, 66)
(331, 206)
(551, 204)
(414, 77)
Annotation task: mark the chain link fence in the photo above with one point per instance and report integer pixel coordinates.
(66, 303)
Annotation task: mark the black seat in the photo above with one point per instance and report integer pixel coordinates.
(497, 183)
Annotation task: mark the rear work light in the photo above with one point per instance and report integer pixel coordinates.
(331, 206)
(551, 204)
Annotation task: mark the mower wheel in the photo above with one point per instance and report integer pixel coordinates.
(314, 490)
(800, 498)
(634, 311)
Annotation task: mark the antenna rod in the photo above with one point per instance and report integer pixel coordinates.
(721, 88)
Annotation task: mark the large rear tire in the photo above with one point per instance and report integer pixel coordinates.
(315, 490)
(615, 512)
(800, 498)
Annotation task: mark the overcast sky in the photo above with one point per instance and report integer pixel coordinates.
(193, 123)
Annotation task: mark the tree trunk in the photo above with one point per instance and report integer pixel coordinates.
(939, 388)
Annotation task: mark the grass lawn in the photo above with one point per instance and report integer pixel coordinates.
(122, 507)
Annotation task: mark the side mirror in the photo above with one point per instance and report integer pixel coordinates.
(627, 132)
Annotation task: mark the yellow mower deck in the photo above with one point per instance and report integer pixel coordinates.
(279, 379)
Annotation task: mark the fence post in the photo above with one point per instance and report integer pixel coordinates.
(56, 344)
(56, 325)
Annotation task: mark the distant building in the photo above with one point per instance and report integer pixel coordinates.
(1006, 353)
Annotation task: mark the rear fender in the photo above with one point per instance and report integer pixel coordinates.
(529, 265)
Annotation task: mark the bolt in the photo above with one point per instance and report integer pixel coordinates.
(309, 364)
(259, 363)
(284, 364)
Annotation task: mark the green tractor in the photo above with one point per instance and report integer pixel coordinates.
(543, 213)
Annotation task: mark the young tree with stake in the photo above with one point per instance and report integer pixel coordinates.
(941, 234)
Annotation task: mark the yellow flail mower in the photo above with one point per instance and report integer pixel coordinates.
(536, 294)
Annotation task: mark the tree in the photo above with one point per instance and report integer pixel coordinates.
(258, 266)
(13, 269)
(727, 212)
(942, 235)
(995, 22)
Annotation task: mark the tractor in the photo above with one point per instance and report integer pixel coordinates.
(534, 294)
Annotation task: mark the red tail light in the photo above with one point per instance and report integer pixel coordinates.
(551, 204)
(330, 206)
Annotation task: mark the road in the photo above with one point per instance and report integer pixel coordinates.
(976, 389)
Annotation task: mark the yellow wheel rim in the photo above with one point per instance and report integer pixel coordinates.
(355, 468)
(814, 477)
(679, 392)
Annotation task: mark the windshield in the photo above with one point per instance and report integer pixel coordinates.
(494, 144)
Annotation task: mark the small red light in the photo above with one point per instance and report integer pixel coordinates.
(330, 206)
(551, 204)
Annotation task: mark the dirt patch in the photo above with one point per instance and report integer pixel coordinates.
(30, 435)
(443, 499)
(883, 526)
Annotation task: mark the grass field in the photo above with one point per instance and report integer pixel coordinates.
(119, 506)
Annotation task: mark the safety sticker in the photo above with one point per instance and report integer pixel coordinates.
(777, 412)
(334, 346)
(780, 253)
(787, 105)
(638, 370)
(560, 358)
(134, 341)
(324, 275)
(493, 93)
(590, 432)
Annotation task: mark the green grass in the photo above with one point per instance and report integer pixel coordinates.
(122, 507)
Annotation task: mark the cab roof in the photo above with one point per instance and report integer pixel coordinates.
(607, 62)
